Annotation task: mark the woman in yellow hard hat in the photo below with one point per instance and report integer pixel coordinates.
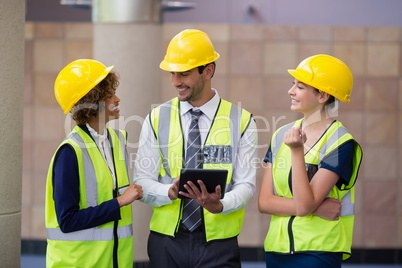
(312, 167)
(88, 193)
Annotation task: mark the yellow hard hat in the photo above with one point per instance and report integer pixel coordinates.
(326, 73)
(188, 49)
(76, 80)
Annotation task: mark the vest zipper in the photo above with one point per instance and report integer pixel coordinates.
(115, 235)
(290, 233)
(115, 246)
(115, 195)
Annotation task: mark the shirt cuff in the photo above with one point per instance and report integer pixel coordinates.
(165, 188)
(224, 204)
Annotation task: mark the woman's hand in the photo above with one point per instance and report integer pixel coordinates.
(295, 137)
(330, 209)
(132, 193)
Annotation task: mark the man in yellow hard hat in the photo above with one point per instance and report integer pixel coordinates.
(88, 194)
(205, 236)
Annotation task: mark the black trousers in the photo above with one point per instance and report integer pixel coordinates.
(188, 250)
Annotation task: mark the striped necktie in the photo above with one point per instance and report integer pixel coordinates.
(192, 210)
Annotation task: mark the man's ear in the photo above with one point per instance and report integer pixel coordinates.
(209, 71)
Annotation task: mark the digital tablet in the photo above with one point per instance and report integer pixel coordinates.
(210, 177)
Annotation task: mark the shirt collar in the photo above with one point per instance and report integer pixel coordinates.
(96, 135)
(209, 108)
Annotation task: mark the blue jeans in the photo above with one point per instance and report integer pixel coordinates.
(304, 260)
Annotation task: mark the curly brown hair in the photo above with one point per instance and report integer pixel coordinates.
(89, 106)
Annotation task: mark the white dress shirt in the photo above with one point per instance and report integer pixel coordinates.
(104, 147)
(148, 160)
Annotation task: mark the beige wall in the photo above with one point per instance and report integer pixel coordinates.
(252, 69)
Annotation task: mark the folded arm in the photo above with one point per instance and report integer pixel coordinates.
(269, 203)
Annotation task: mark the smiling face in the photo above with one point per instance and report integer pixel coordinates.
(304, 98)
(192, 86)
(112, 110)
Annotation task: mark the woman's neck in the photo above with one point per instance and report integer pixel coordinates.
(317, 120)
(97, 126)
(314, 126)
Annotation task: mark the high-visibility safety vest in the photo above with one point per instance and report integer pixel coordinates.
(219, 152)
(292, 234)
(107, 245)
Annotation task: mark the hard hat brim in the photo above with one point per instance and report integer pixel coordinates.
(183, 67)
(296, 75)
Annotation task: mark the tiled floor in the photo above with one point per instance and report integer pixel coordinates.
(33, 261)
(38, 261)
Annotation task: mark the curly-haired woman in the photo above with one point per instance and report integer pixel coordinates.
(88, 194)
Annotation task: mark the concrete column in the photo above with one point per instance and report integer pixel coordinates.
(134, 46)
(12, 14)
(135, 50)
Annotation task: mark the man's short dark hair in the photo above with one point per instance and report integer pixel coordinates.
(202, 67)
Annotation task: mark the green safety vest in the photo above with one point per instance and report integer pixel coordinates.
(219, 150)
(292, 234)
(93, 247)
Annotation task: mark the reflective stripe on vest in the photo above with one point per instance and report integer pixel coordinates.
(91, 184)
(122, 140)
(276, 144)
(91, 234)
(235, 119)
(331, 141)
(348, 207)
(164, 127)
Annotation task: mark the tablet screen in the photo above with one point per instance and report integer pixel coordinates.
(210, 177)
